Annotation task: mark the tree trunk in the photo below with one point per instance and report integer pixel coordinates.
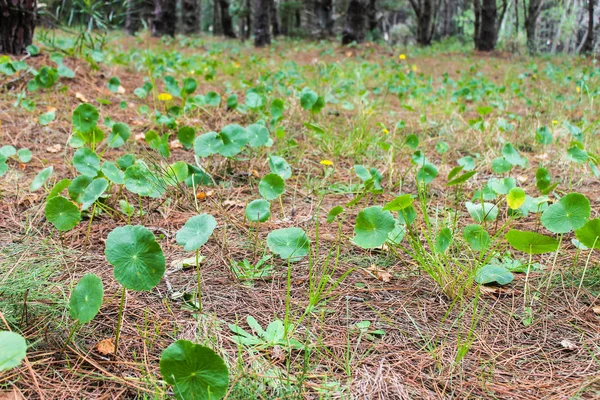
(324, 17)
(217, 26)
(262, 25)
(274, 19)
(531, 19)
(17, 24)
(354, 31)
(426, 13)
(372, 13)
(165, 18)
(226, 22)
(485, 24)
(133, 20)
(190, 12)
(588, 46)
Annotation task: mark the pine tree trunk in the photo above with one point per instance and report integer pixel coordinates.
(324, 18)
(485, 25)
(165, 18)
(425, 12)
(274, 19)
(138, 12)
(190, 12)
(262, 25)
(217, 26)
(226, 22)
(354, 31)
(372, 11)
(588, 46)
(533, 13)
(17, 24)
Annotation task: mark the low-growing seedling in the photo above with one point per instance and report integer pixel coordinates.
(13, 349)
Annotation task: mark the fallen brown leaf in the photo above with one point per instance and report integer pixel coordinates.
(12, 395)
(55, 148)
(175, 144)
(105, 346)
(567, 344)
(81, 97)
(380, 273)
(596, 310)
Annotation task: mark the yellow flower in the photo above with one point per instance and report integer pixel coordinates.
(554, 122)
(385, 131)
(236, 64)
(402, 56)
(165, 97)
(578, 89)
(326, 162)
(414, 68)
(534, 76)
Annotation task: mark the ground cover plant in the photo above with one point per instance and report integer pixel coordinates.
(200, 219)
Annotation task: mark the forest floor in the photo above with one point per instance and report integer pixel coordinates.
(382, 327)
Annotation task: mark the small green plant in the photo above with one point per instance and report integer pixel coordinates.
(273, 335)
(195, 372)
(85, 302)
(13, 349)
(290, 244)
(138, 261)
(248, 271)
(194, 234)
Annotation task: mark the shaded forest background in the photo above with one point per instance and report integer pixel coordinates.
(548, 26)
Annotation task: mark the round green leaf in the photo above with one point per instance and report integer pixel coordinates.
(196, 372)
(41, 178)
(333, 213)
(176, 173)
(208, 144)
(119, 134)
(258, 210)
(8, 151)
(58, 188)
(482, 212)
(443, 240)
(570, 213)
(500, 165)
(289, 243)
(24, 155)
(78, 186)
(258, 135)
(13, 349)
(477, 237)
(85, 118)
(186, 136)
(196, 231)
(137, 258)
(372, 227)
(279, 166)
(531, 242)
(92, 192)
(113, 173)
(493, 273)
(589, 234)
(271, 186)
(140, 180)
(86, 298)
(427, 173)
(234, 138)
(62, 213)
(86, 162)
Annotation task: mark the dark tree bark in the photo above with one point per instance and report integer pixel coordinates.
(262, 24)
(426, 12)
(248, 20)
(354, 31)
(138, 12)
(274, 20)
(165, 18)
(324, 17)
(191, 16)
(531, 19)
(372, 14)
(217, 26)
(226, 21)
(17, 24)
(588, 46)
(485, 24)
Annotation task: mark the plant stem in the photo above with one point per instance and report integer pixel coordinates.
(553, 264)
(120, 319)
(587, 262)
(71, 334)
(199, 277)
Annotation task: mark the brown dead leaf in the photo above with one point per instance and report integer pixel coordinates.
(51, 109)
(121, 90)
(175, 144)
(255, 173)
(232, 203)
(567, 344)
(596, 310)
(380, 273)
(106, 346)
(140, 136)
(12, 395)
(55, 148)
(81, 97)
